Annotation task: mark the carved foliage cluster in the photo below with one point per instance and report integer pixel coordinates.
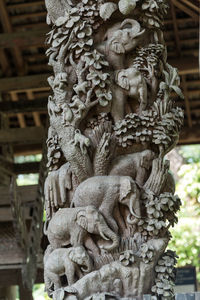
(109, 195)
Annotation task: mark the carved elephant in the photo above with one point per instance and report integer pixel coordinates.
(120, 39)
(105, 192)
(65, 261)
(55, 189)
(73, 225)
(129, 83)
(136, 165)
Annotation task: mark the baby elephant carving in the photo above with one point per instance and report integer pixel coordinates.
(129, 83)
(65, 261)
(105, 192)
(73, 225)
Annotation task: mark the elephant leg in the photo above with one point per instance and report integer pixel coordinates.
(55, 278)
(143, 98)
(120, 221)
(70, 273)
(90, 244)
(48, 283)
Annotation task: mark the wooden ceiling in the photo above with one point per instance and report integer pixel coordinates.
(24, 69)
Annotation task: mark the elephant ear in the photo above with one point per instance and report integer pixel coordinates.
(81, 219)
(125, 187)
(71, 255)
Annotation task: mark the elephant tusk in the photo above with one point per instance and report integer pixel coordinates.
(130, 221)
(103, 236)
(85, 269)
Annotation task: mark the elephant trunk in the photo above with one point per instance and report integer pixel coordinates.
(88, 267)
(134, 201)
(107, 234)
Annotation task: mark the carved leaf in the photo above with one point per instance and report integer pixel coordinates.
(107, 9)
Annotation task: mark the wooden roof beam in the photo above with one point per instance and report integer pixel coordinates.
(189, 136)
(175, 25)
(23, 106)
(192, 6)
(28, 135)
(185, 65)
(36, 115)
(20, 116)
(22, 39)
(25, 4)
(28, 16)
(23, 82)
(187, 104)
(186, 9)
(8, 28)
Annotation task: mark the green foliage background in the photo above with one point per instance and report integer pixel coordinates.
(186, 234)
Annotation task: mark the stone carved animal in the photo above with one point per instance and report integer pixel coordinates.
(129, 83)
(105, 192)
(73, 225)
(136, 165)
(120, 39)
(56, 185)
(70, 262)
(81, 141)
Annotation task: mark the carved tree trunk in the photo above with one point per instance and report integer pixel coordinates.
(109, 194)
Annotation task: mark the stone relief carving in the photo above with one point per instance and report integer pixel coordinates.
(109, 194)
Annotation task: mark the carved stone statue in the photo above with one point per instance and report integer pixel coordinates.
(109, 193)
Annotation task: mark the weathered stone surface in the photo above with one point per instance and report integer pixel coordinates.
(109, 195)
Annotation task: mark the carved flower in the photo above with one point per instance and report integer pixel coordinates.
(98, 78)
(62, 20)
(83, 30)
(154, 10)
(127, 257)
(89, 10)
(104, 96)
(164, 282)
(69, 19)
(81, 45)
(155, 6)
(146, 252)
(95, 59)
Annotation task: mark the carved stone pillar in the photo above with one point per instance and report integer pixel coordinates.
(109, 195)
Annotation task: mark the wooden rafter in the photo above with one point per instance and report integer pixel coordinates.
(6, 23)
(36, 115)
(22, 39)
(22, 135)
(20, 116)
(23, 106)
(23, 82)
(187, 105)
(25, 4)
(191, 5)
(176, 33)
(182, 6)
